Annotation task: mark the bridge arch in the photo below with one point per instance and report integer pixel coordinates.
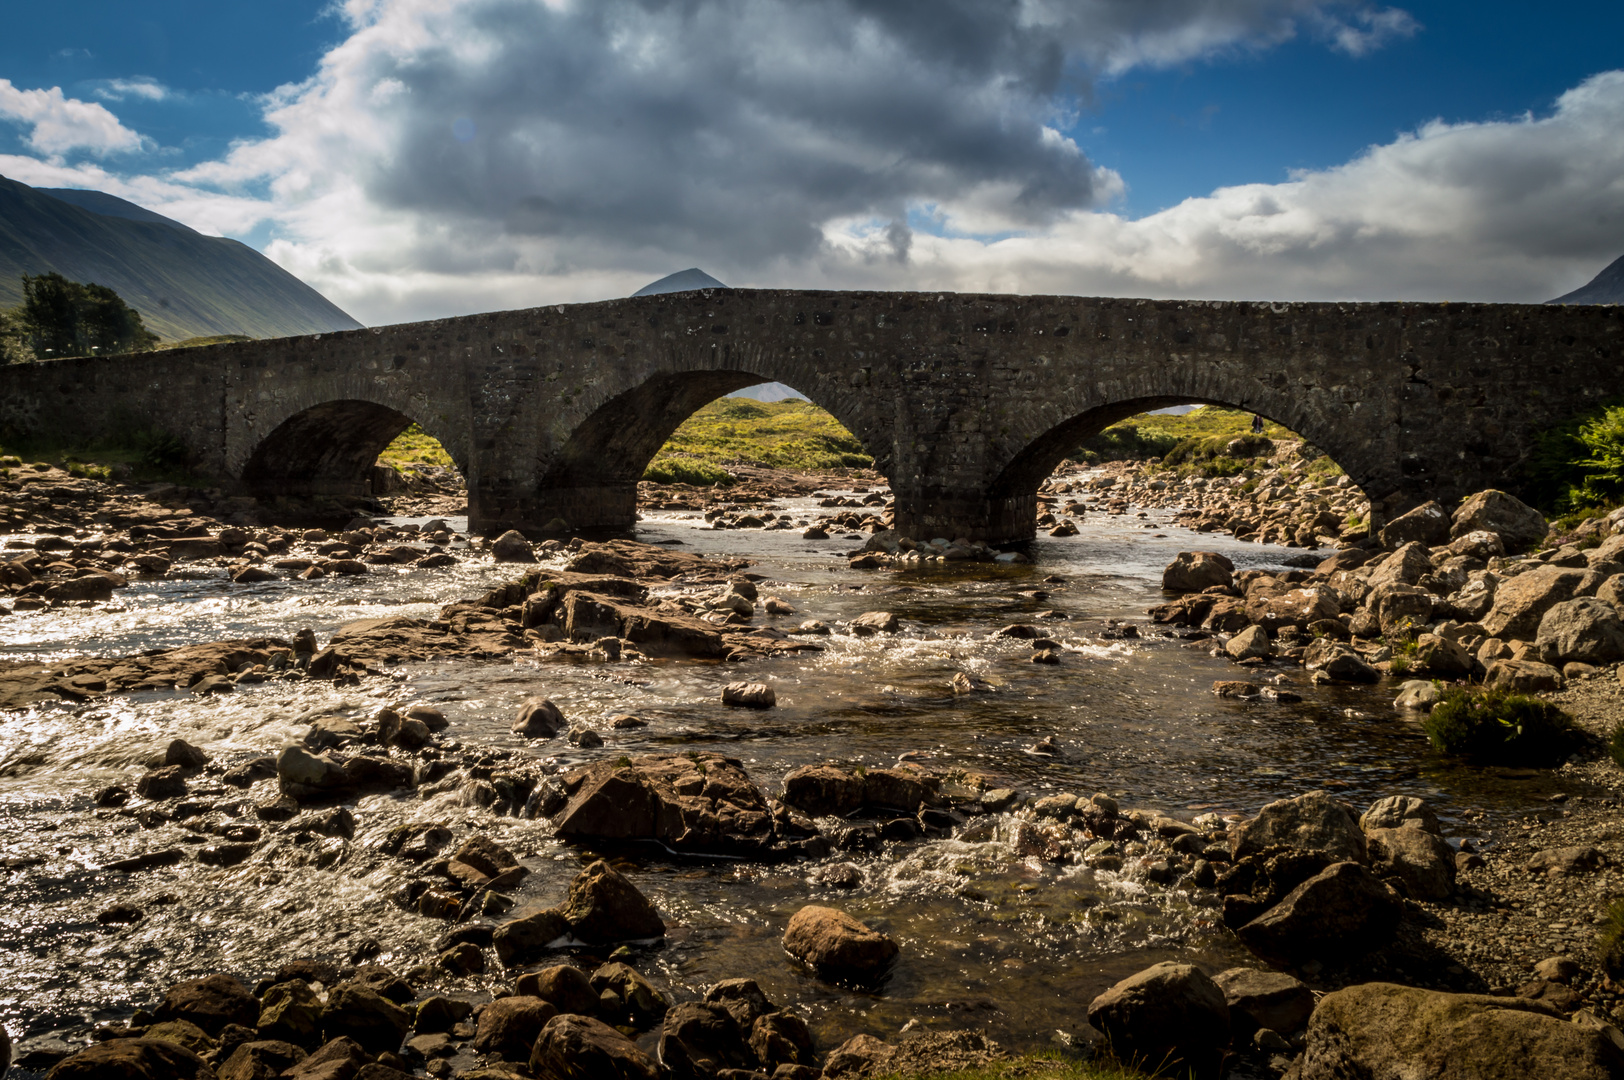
(329, 448)
(589, 478)
(1012, 493)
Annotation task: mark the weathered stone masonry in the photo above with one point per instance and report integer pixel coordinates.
(965, 401)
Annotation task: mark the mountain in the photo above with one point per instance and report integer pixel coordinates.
(1606, 287)
(682, 281)
(183, 283)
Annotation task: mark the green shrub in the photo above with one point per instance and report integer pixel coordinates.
(1556, 476)
(684, 471)
(1603, 439)
(1610, 943)
(1615, 744)
(1494, 726)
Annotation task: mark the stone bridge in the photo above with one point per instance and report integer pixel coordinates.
(966, 401)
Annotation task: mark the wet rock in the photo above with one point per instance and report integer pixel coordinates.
(436, 1014)
(211, 1003)
(624, 996)
(1425, 863)
(297, 767)
(1338, 662)
(182, 754)
(485, 855)
(260, 1060)
(290, 1011)
(1264, 999)
(224, 854)
(338, 1059)
(584, 737)
(1427, 524)
(588, 617)
(749, 695)
(700, 1039)
(509, 1026)
(703, 802)
(571, 1047)
(834, 944)
(361, 1013)
(522, 941)
(875, 622)
(119, 915)
(133, 1059)
(1586, 630)
(539, 718)
(1400, 811)
(823, 790)
(1443, 657)
(512, 547)
(1311, 822)
(1197, 571)
(1417, 695)
(165, 783)
(1383, 1030)
(1251, 643)
(1342, 911)
(567, 987)
(1518, 525)
(1168, 1013)
(603, 908)
(187, 1034)
(1234, 688)
(781, 1039)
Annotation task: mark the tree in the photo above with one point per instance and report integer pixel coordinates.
(64, 318)
(14, 346)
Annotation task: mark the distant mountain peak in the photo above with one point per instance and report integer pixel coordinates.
(682, 281)
(1606, 287)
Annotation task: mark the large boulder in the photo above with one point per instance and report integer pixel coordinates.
(1399, 608)
(833, 943)
(1403, 1033)
(700, 1039)
(260, 1060)
(1424, 862)
(1339, 662)
(1341, 912)
(132, 1059)
(290, 1011)
(511, 546)
(1584, 629)
(1171, 1015)
(361, 1013)
(572, 1047)
(523, 941)
(1311, 822)
(1520, 602)
(823, 790)
(1250, 644)
(1196, 571)
(211, 1003)
(1275, 609)
(1522, 677)
(509, 1026)
(588, 617)
(1406, 566)
(604, 908)
(1442, 656)
(1264, 999)
(1426, 524)
(567, 987)
(781, 1038)
(1400, 811)
(1518, 525)
(699, 803)
(539, 718)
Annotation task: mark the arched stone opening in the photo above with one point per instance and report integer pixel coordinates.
(1012, 495)
(591, 481)
(327, 449)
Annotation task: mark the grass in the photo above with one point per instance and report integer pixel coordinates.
(130, 450)
(682, 470)
(1211, 441)
(413, 447)
(1497, 727)
(1610, 943)
(212, 339)
(792, 434)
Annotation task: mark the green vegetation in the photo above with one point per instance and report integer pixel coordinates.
(414, 447)
(1615, 744)
(184, 283)
(14, 346)
(132, 449)
(212, 339)
(1497, 727)
(1576, 469)
(1210, 441)
(62, 318)
(1610, 943)
(792, 434)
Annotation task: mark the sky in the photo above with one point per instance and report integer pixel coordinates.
(419, 158)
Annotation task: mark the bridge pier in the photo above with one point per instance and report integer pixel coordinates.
(927, 516)
(605, 506)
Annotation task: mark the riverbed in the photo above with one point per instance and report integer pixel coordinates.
(1015, 946)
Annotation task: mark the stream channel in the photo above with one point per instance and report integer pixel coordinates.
(1013, 946)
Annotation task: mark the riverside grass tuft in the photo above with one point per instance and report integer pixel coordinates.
(1492, 726)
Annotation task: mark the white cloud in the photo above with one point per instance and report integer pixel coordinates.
(142, 87)
(59, 124)
(1366, 30)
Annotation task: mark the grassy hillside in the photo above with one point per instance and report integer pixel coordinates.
(184, 284)
(791, 434)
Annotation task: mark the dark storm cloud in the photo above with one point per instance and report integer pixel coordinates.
(734, 130)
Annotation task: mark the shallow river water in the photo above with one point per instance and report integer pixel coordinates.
(1014, 946)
